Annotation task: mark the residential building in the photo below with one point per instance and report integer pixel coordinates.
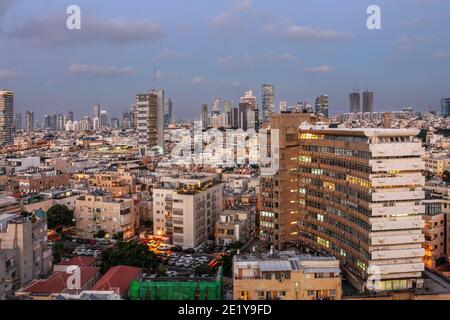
(29, 121)
(236, 224)
(99, 210)
(6, 117)
(322, 105)
(38, 180)
(286, 276)
(147, 119)
(186, 208)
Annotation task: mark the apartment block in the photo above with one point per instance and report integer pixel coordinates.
(236, 224)
(356, 194)
(119, 182)
(38, 180)
(99, 210)
(186, 208)
(286, 276)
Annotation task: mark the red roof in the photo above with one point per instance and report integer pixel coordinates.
(57, 282)
(118, 277)
(81, 261)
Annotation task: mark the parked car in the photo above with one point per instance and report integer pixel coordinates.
(171, 262)
(196, 264)
(189, 250)
(163, 247)
(105, 242)
(187, 264)
(176, 249)
(171, 273)
(179, 263)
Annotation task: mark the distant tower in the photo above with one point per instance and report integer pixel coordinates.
(6, 117)
(445, 107)
(367, 102)
(268, 101)
(29, 121)
(355, 102)
(322, 105)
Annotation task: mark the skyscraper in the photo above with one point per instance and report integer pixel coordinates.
(104, 122)
(283, 106)
(268, 101)
(6, 117)
(216, 107)
(18, 122)
(29, 121)
(445, 107)
(168, 112)
(248, 112)
(322, 105)
(367, 102)
(355, 102)
(160, 117)
(205, 117)
(96, 111)
(147, 117)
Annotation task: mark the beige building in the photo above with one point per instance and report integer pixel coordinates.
(286, 276)
(9, 205)
(437, 164)
(357, 194)
(186, 208)
(101, 211)
(236, 224)
(37, 180)
(120, 182)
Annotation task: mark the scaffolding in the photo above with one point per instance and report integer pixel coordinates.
(198, 289)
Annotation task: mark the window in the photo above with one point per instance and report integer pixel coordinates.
(311, 292)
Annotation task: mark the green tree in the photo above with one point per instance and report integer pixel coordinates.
(161, 270)
(118, 236)
(227, 265)
(131, 253)
(58, 252)
(59, 216)
(100, 234)
(446, 176)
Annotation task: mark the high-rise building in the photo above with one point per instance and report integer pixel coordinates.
(147, 115)
(115, 123)
(357, 194)
(322, 105)
(228, 110)
(50, 121)
(445, 107)
(168, 112)
(96, 111)
(367, 102)
(6, 117)
(205, 116)
(283, 106)
(60, 122)
(355, 102)
(104, 121)
(250, 99)
(160, 117)
(216, 107)
(268, 101)
(18, 122)
(29, 121)
(248, 112)
(95, 124)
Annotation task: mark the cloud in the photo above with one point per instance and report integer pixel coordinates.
(223, 20)
(295, 32)
(53, 31)
(198, 80)
(166, 54)
(442, 55)
(9, 75)
(165, 75)
(320, 69)
(99, 70)
(246, 59)
(242, 6)
(5, 6)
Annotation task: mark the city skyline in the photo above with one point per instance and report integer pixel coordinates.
(122, 52)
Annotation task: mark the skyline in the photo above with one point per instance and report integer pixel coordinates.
(206, 50)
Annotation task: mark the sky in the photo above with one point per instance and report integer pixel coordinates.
(203, 49)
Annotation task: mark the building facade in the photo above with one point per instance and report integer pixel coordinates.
(6, 117)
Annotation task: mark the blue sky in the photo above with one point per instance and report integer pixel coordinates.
(204, 49)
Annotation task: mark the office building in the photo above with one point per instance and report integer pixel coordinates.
(6, 117)
(168, 112)
(286, 276)
(283, 106)
(268, 101)
(367, 102)
(29, 121)
(355, 102)
(360, 198)
(186, 209)
(321, 104)
(18, 122)
(96, 111)
(445, 107)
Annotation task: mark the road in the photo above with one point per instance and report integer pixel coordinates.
(438, 279)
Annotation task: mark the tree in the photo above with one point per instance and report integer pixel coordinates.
(59, 216)
(446, 176)
(227, 265)
(131, 253)
(58, 252)
(118, 236)
(160, 270)
(100, 234)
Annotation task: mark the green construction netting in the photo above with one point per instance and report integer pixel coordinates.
(177, 290)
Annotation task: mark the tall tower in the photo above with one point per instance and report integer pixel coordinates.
(367, 102)
(160, 116)
(29, 121)
(6, 117)
(445, 107)
(355, 102)
(18, 123)
(268, 101)
(150, 121)
(322, 105)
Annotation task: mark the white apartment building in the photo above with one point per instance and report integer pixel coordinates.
(186, 208)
